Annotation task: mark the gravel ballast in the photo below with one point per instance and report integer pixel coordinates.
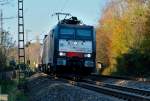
(45, 89)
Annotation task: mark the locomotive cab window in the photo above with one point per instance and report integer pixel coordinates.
(84, 33)
(67, 32)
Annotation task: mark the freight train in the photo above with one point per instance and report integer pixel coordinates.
(70, 47)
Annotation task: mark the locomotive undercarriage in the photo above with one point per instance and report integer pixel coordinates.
(74, 65)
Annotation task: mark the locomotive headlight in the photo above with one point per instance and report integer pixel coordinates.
(75, 43)
(62, 54)
(87, 55)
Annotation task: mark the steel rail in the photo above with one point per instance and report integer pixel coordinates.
(127, 89)
(111, 90)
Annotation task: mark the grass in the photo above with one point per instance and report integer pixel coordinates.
(10, 88)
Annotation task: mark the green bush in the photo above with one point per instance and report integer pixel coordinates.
(135, 63)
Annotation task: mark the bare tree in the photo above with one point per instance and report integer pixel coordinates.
(5, 50)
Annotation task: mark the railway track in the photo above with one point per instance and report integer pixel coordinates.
(125, 93)
(127, 89)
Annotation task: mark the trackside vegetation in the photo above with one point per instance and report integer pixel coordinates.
(123, 38)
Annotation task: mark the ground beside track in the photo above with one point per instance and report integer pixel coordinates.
(41, 88)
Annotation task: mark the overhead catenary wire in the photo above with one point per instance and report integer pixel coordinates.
(61, 11)
(4, 2)
(64, 5)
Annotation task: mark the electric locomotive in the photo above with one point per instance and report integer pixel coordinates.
(69, 47)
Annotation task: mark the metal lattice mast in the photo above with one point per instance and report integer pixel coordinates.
(21, 46)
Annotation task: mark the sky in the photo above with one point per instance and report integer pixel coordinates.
(38, 19)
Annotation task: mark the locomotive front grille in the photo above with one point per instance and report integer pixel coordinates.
(77, 62)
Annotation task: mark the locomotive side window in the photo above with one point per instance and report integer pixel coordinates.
(84, 33)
